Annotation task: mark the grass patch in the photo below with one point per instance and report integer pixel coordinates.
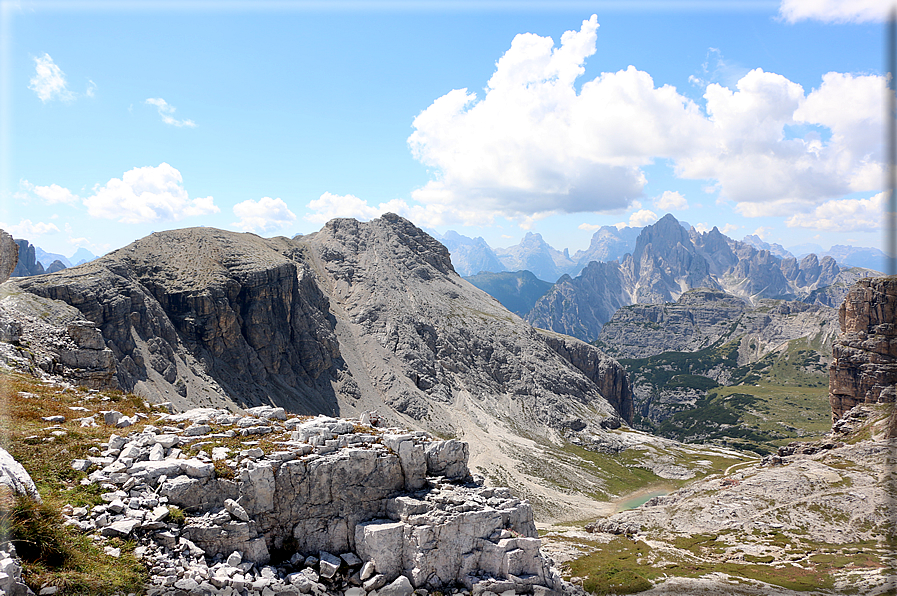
(53, 554)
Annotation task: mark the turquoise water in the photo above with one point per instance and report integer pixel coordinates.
(641, 499)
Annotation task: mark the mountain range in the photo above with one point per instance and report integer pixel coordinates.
(661, 262)
(473, 255)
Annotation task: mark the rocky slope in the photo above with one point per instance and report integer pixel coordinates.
(323, 504)
(356, 317)
(667, 261)
(865, 354)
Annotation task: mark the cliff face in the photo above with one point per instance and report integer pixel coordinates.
(202, 317)
(865, 365)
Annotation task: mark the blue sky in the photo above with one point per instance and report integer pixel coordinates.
(119, 119)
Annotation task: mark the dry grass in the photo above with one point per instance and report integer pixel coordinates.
(54, 554)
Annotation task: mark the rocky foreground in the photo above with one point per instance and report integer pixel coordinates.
(223, 503)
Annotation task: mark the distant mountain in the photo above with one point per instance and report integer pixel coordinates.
(850, 256)
(82, 255)
(28, 264)
(608, 244)
(758, 243)
(667, 261)
(534, 254)
(46, 258)
(470, 255)
(517, 291)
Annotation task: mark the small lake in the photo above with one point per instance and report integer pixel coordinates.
(641, 499)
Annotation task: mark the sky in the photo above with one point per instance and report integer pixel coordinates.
(490, 118)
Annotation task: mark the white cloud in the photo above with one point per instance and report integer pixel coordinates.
(533, 145)
(762, 232)
(264, 215)
(49, 81)
(147, 194)
(50, 194)
(835, 11)
(91, 89)
(28, 230)
(766, 173)
(330, 206)
(166, 110)
(843, 215)
(671, 199)
(589, 227)
(729, 228)
(642, 218)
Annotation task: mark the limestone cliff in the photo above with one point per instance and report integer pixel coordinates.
(865, 365)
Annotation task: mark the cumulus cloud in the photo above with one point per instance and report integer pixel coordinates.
(27, 229)
(726, 229)
(639, 219)
(835, 11)
(843, 215)
(166, 110)
(264, 215)
(50, 194)
(147, 194)
(762, 232)
(764, 171)
(589, 227)
(533, 144)
(49, 81)
(671, 199)
(330, 206)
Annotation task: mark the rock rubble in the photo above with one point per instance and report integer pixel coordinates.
(223, 503)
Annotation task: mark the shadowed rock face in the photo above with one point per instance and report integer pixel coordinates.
(865, 366)
(27, 263)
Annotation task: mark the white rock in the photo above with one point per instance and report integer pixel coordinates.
(13, 475)
(400, 587)
(236, 510)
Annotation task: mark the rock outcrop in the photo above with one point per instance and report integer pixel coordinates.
(9, 256)
(27, 264)
(335, 504)
(865, 354)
